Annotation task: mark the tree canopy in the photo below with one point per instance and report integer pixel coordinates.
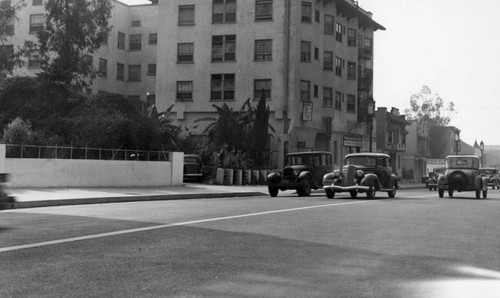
(430, 108)
(73, 31)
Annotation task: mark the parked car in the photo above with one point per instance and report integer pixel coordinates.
(362, 173)
(462, 174)
(303, 171)
(492, 174)
(433, 177)
(192, 167)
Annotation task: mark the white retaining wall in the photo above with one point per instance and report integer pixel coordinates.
(27, 172)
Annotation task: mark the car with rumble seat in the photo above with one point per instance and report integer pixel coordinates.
(362, 173)
(303, 172)
(462, 174)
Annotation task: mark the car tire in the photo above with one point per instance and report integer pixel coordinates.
(354, 194)
(370, 193)
(305, 189)
(441, 193)
(273, 191)
(450, 193)
(478, 193)
(392, 193)
(485, 194)
(330, 193)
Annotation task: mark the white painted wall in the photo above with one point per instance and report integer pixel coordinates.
(27, 172)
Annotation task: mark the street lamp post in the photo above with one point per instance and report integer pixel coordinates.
(481, 147)
(371, 112)
(457, 140)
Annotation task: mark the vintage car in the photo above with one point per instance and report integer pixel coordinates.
(431, 182)
(362, 173)
(303, 171)
(192, 167)
(462, 174)
(492, 174)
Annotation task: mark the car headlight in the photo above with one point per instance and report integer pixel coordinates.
(360, 173)
(336, 173)
(296, 172)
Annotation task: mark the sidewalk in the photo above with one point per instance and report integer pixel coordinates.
(44, 197)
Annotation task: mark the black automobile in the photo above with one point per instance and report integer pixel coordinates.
(304, 171)
(192, 167)
(462, 174)
(362, 173)
(492, 174)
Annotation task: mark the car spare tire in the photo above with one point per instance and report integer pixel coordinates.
(457, 180)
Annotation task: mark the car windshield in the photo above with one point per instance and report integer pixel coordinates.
(462, 163)
(309, 159)
(191, 159)
(361, 161)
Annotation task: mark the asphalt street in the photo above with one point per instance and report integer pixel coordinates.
(415, 245)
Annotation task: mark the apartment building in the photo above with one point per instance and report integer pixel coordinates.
(313, 60)
(126, 63)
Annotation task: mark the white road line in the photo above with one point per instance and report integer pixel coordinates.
(185, 223)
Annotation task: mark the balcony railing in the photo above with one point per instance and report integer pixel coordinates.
(396, 147)
(62, 152)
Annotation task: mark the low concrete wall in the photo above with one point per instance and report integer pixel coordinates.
(26, 172)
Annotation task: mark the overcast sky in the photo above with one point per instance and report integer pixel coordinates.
(452, 46)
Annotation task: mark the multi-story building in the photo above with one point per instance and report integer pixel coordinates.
(390, 129)
(312, 59)
(417, 150)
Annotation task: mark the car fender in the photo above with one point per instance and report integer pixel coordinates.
(441, 179)
(274, 177)
(305, 174)
(481, 182)
(370, 179)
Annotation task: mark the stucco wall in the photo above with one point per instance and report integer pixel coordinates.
(89, 173)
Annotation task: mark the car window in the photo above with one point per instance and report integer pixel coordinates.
(361, 161)
(191, 159)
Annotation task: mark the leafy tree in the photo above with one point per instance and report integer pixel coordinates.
(430, 108)
(8, 58)
(261, 130)
(73, 31)
(17, 132)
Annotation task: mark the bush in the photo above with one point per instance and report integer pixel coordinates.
(17, 132)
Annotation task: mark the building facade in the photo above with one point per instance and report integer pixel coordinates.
(417, 151)
(312, 60)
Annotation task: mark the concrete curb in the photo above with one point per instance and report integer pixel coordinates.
(124, 199)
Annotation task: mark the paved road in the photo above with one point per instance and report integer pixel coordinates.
(413, 246)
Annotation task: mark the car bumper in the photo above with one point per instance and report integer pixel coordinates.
(340, 188)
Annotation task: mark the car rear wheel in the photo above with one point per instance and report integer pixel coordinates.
(370, 193)
(392, 193)
(450, 193)
(441, 193)
(273, 191)
(354, 194)
(478, 193)
(485, 194)
(330, 193)
(305, 189)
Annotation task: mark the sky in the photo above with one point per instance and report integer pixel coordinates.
(451, 46)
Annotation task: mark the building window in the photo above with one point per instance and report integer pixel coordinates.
(351, 103)
(338, 101)
(153, 38)
(120, 71)
(262, 87)
(306, 12)
(316, 53)
(121, 41)
(37, 2)
(5, 4)
(368, 46)
(339, 31)
(328, 60)
(329, 25)
(186, 15)
(36, 23)
(305, 51)
(224, 11)
(327, 125)
(134, 73)
(351, 37)
(224, 48)
(316, 16)
(151, 99)
(263, 10)
(339, 64)
(222, 87)
(315, 91)
(327, 97)
(351, 70)
(9, 29)
(263, 50)
(185, 52)
(151, 69)
(103, 67)
(136, 23)
(34, 60)
(184, 91)
(305, 90)
(135, 42)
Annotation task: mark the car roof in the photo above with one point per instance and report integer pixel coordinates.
(371, 154)
(308, 153)
(462, 156)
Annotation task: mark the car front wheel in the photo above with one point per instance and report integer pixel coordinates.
(450, 193)
(305, 189)
(330, 193)
(370, 193)
(485, 194)
(392, 193)
(273, 191)
(441, 193)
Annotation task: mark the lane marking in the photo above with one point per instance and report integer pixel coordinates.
(164, 226)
